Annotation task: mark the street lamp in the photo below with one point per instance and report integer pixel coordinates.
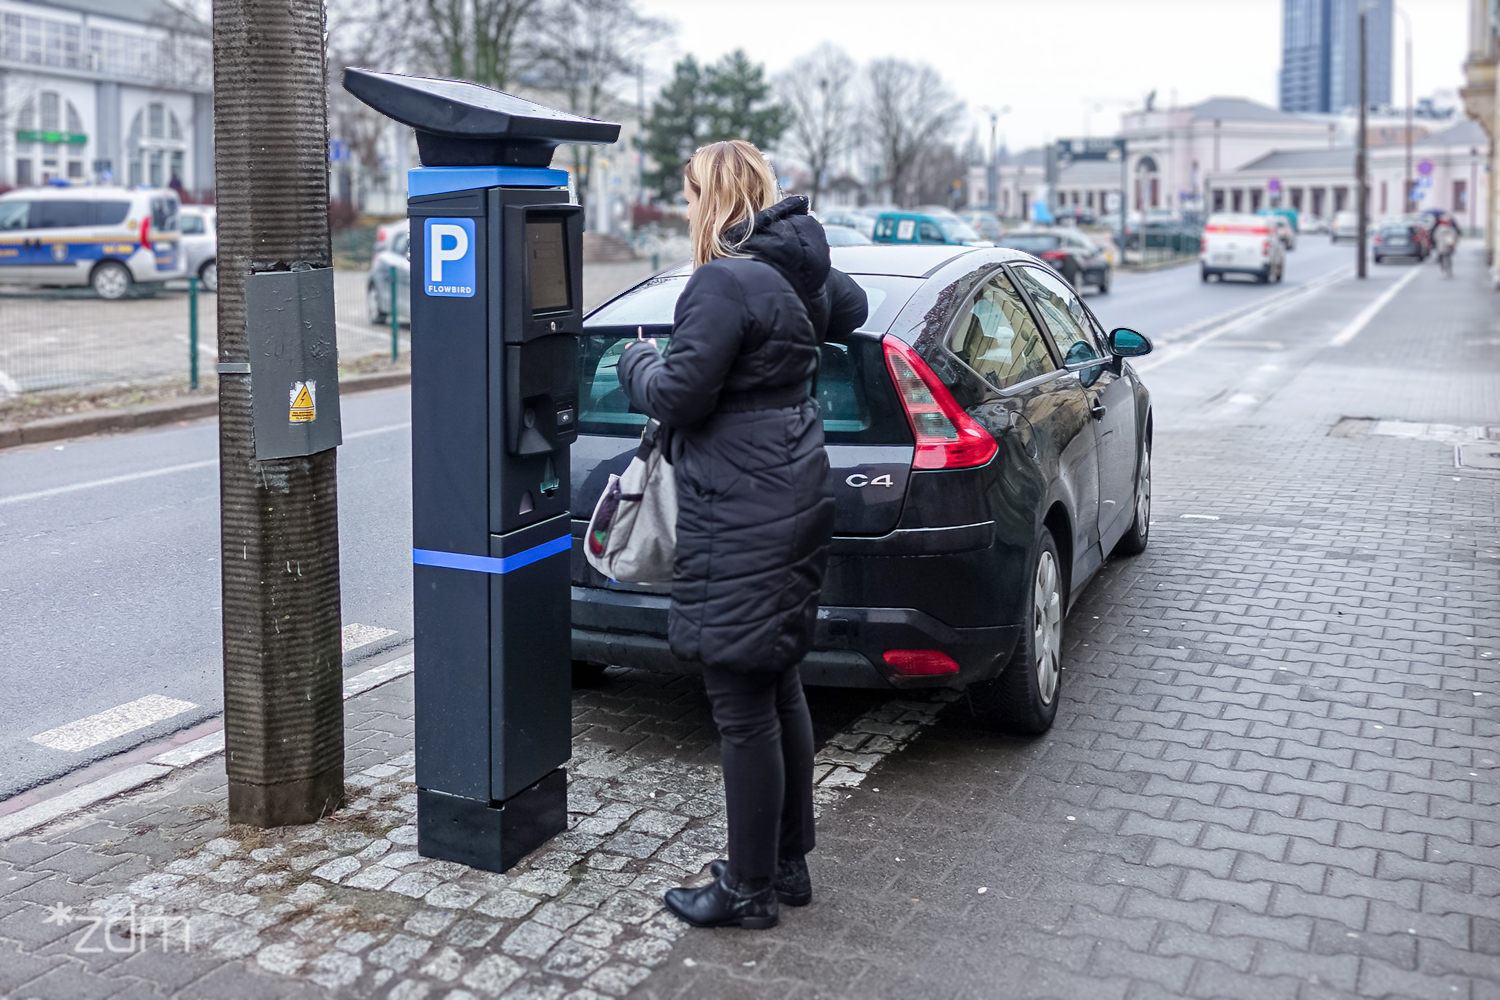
(992, 179)
(1406, 200)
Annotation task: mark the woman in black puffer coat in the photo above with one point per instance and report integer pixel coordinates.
(755, 506)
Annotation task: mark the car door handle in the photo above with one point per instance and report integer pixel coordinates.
(1098, 410)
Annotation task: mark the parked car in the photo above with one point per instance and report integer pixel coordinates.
(1345, 226)
(843, 236)
(986, 223)
(1291, 215)
(1398, 239)
(1075, 256)
(110, 238)
(1422, 224)
(1284, 231)
(200, 244)
(1237, 243)
(1074, 215)
(385, 233)
(921, 227)
(395, 257)
(990, 448)
(861, 219)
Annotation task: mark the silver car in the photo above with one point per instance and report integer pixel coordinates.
(392, 253)
(200, 244)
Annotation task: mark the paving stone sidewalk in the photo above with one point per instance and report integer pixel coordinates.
(1274, 770)
(154, 895)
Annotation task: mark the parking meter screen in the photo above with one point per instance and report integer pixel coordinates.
(547, 257)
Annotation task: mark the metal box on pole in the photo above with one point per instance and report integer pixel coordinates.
(496, 309)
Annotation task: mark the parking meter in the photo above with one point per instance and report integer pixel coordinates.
(496, 309)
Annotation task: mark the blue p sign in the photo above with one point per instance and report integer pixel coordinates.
(450, 257)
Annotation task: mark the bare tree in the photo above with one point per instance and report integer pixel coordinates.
(909, 109)
(372, 34)
(473, 40)
(581, 51)
(937, 176)
(819, 90)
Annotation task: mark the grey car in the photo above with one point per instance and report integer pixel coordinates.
(199, 225)
(394, 256)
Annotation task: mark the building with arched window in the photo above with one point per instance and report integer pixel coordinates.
(105, 91)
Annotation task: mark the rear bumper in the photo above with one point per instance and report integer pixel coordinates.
(629, 628)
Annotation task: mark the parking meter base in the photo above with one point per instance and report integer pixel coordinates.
(492, 836)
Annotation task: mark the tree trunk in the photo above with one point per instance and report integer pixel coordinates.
(283, 705)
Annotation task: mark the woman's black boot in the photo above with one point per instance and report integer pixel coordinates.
(719, 904)
(793, 880)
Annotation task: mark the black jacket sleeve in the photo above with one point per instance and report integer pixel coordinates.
(681, 389)
(848, 306)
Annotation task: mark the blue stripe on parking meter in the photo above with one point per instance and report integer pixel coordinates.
(491, 564)
(450, 258)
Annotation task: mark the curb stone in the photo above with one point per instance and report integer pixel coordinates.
(138, 418)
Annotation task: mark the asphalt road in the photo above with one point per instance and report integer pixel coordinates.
(109, 572)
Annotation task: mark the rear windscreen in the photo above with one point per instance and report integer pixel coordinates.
(859, 406)
(652, 302)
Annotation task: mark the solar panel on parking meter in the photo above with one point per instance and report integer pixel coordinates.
(496, 307)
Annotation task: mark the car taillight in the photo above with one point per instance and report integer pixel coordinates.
(1054, 255)
(146, 232)
(1377, 237)
(947, 437)
(920, 662)
(1265, 247)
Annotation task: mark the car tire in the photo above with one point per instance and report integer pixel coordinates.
(111, 280)
(1263, 277)
(1280, 272)
(1134, 542)
(1023, 699)
(208, 274)
(1104, 282)
(374, 305)
(1203, 274)
(587, 674)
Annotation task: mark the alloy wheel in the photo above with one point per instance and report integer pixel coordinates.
(1046, 626)
(111, 282)
(373, 304)
(209, 275)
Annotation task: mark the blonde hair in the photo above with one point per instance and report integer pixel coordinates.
(732, 181)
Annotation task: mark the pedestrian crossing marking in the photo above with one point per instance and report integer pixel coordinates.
(304, 407)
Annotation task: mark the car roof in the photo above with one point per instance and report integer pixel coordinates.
(90, 192)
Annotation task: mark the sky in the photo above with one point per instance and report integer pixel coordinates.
(1064, 67)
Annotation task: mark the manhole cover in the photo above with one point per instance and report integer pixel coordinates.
(1485, 455)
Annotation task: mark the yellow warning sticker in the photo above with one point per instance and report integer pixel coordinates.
(304, 402)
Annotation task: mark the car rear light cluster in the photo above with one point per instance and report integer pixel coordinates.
(920, 662)
(947, 437)
(1054, 255)
(146, 232)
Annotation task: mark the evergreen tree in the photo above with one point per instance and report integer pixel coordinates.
(674, 127)
(739, 104)
(728, 100)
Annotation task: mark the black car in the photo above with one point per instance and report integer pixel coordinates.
(1398, 239)
(1076, 258)
(990, 447)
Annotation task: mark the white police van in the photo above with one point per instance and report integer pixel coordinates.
(109, 238)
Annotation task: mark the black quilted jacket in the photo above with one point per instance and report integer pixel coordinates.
(755, 503)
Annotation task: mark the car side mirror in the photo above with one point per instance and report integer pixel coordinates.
(1125, 343)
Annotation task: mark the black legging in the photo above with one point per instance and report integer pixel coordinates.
(767, 743)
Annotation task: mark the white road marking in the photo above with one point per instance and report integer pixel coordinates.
(1199, 517)
(1212, 329)
(356, 635)
(129, 477)
(112, 723)
(168, 470)
(1361, 321)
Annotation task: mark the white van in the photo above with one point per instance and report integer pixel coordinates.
(1239, 243)
(107, 237)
